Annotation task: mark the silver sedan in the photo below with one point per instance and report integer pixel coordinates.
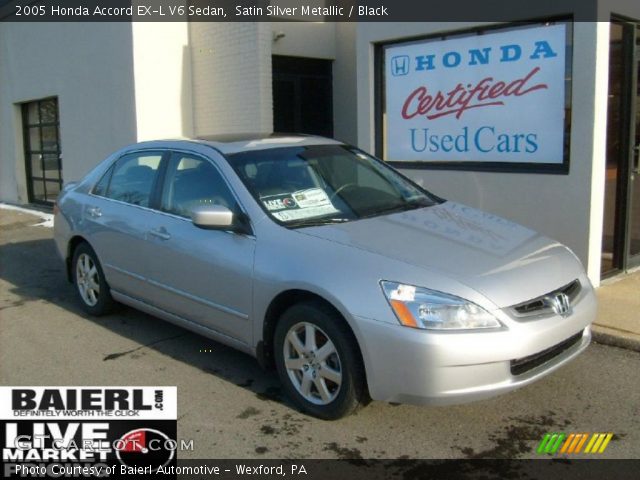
(326, 264)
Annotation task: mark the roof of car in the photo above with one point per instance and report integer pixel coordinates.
(229, 144)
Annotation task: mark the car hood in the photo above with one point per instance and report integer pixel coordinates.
(504, 261)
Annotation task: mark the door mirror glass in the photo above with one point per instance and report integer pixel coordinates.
(213, 216)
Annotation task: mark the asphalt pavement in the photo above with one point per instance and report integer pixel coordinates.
(230, 408)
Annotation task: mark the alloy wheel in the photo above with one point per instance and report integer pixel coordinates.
(312, 363)
(87, 280)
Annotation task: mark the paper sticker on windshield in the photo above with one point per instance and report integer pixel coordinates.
(279, 202)
(313, 202)
(304, 213)
(313, 197)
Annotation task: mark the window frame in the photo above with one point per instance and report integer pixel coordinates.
(158, 178)
(179, 154)
(154, 205)
(29, 151)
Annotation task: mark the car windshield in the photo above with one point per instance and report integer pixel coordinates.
(303, 186)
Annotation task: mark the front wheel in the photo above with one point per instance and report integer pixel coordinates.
(88, 278)
(318, 361)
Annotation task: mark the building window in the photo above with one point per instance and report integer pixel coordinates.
(42, 150)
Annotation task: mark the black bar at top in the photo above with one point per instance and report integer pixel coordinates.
(333, 10)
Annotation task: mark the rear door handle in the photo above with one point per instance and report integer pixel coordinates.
(161, 233)
(94, 212)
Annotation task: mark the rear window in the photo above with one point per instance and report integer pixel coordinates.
(131, 179)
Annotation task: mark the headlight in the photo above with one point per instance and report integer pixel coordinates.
(422, 308)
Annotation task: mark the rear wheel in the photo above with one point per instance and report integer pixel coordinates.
(88, 278)
(318, 361)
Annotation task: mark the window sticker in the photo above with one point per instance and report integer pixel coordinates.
(279, 202)
(313, 197)
(312, 202)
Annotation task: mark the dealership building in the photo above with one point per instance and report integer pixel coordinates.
(537, 120)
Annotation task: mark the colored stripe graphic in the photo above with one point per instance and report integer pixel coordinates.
(570, 442)
(543, 443)
(574, 443)
(598, 442)
(551, 443)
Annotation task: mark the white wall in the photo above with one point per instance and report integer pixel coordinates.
(231, 71)
(89, 66)
(162, 73)
(565, 207)
(308, 39)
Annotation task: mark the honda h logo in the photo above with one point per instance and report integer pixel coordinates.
(560, 304)
(400, 65)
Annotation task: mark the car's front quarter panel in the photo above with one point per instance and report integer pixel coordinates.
(406, 364)
(346, 277)
(289, 259)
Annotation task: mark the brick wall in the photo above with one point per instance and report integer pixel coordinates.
(231, 77)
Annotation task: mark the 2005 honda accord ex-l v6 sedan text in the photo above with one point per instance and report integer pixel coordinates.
(326, 264)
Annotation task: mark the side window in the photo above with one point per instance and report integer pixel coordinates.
(101, 187)
(133, 178)
(191, 182)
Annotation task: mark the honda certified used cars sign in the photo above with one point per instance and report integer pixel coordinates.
(463, 98)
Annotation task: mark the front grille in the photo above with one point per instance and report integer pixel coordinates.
(541, 305)
(523, 365)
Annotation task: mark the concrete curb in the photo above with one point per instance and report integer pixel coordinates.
(615, 338)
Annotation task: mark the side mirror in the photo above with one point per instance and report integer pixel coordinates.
(218, 217)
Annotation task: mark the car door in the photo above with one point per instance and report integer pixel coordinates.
(117, 217)
(202, 275)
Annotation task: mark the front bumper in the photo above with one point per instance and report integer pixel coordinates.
(408, 365)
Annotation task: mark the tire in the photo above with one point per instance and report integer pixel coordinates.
(88, 279)
(329, 381)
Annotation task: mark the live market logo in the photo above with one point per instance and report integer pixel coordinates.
(87, 431)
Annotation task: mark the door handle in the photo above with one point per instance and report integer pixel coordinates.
(94, 212)
(161, 233)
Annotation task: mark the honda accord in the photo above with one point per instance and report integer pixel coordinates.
(326, 264)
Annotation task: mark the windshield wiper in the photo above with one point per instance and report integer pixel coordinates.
(314, 222)
(398, 207)
(391, 209)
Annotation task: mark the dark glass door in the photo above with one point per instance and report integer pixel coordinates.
(613, 230)
(42, 150)
(634, 187)
(302, 95)
(621, 232)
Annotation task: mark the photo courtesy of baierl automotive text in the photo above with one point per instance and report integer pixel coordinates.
(357, 239)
